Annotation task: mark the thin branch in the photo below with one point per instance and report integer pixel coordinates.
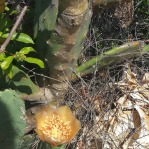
(4, 45)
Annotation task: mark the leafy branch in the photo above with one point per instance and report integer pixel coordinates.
(4, 45)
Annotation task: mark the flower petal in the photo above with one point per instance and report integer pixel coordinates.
(56, 125)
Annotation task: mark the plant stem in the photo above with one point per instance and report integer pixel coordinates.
(125, 51)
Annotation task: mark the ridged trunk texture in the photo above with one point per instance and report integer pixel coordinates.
(60, 29)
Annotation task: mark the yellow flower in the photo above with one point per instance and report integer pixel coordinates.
(56, 125)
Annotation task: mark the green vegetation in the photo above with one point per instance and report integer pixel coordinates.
(42, 49)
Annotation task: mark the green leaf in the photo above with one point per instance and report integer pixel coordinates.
(27, 50)
(2, 56)
(7, 8)
(13, 12)
(35, 61)
(6, 63)
(21, 37)
(3, 23)
(9, 72)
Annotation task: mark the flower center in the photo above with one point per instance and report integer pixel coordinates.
(57, 128)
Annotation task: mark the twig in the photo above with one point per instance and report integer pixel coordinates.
(4, 45)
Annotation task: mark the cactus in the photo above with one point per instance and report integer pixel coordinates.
(123, 52)
(44, 19)
(12, 123)
(20, 82)
(60, 29)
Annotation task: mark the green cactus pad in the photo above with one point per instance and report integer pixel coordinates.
(20, 82)
(12, 125)
(44, 19)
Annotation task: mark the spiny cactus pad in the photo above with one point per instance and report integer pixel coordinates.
(12, 124)
(20, 82)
